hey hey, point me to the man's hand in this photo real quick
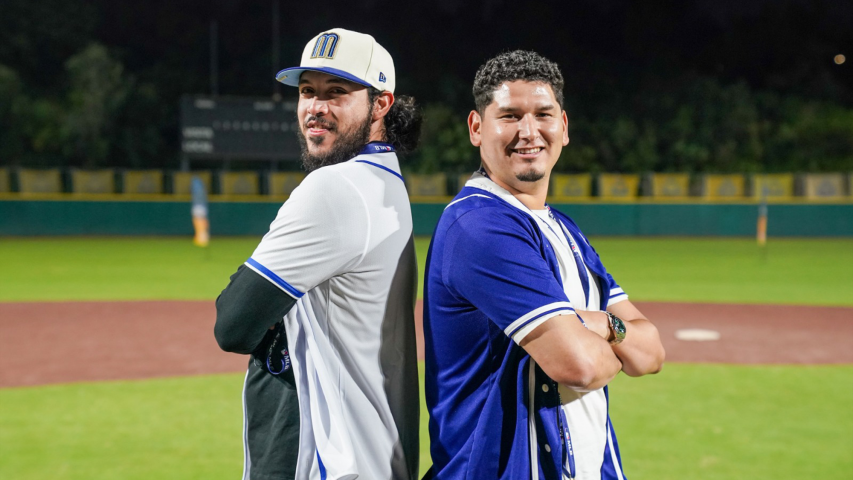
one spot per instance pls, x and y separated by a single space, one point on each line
641 352
596 322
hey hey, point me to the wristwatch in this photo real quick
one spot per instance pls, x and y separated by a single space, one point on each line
618 328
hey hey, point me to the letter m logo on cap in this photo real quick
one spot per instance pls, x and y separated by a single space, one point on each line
326 45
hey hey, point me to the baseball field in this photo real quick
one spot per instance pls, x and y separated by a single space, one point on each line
108 367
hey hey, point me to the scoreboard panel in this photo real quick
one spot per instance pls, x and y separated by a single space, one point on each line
238 127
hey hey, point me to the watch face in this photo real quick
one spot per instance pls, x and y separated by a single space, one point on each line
618 328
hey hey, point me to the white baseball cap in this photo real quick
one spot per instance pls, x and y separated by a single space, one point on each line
343 53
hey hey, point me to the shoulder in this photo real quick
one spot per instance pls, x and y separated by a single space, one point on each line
322 176
329 182
325 193
479 217
473 205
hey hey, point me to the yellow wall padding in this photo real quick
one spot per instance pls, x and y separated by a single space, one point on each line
182 181
723 186
571 185
93 181
670 184
283 183
143 181
824 186
239 183
4 180
618 186
39 181
427 185
773 185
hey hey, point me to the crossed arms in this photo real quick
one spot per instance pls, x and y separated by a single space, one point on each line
581 358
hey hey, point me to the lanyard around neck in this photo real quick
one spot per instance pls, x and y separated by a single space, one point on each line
575 253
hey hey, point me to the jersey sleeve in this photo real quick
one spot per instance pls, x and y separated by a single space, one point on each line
616 293
493 261
320 231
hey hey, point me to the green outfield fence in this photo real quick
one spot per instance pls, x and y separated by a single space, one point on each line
164 215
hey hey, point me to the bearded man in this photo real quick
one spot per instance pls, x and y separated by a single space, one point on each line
325 304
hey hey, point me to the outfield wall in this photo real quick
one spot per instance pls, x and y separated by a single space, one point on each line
172 217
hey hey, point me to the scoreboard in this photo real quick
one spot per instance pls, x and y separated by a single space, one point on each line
238 128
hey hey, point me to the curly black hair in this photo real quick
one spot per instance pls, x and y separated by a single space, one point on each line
511 66
402 123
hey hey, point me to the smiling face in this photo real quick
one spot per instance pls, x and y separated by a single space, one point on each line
520 135
334 119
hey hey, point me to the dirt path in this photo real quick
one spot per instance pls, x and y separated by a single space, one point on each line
44 343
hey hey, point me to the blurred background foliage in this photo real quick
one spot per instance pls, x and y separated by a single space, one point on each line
689 87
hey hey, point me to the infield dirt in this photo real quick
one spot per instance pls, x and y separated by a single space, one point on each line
64 342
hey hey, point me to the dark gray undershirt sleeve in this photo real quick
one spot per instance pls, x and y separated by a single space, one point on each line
246 310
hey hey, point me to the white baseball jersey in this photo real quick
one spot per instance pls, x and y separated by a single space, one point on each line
342 246
586 412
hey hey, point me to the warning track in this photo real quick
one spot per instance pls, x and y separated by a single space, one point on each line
42 343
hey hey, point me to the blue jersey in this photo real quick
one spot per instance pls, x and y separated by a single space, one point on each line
490 272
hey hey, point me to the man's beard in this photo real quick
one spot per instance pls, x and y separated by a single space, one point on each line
347 145
530 176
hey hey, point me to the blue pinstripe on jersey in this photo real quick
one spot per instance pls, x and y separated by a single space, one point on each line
275 278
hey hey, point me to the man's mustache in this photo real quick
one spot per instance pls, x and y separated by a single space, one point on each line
319 122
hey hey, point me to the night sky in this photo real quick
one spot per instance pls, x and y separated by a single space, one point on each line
784 45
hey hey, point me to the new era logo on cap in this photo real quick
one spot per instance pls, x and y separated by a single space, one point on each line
354 56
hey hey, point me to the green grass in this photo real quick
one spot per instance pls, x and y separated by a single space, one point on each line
698 422
736 422
789 271
76 268
178 428
792 271
691 421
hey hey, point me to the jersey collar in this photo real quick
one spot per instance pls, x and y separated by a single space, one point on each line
370 155
482 181
377 147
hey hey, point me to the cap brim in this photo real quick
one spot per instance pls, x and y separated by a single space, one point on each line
290 76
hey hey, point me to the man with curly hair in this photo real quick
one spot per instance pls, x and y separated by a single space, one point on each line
524 326
325 304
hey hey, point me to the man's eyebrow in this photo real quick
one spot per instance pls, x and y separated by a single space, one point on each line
539 108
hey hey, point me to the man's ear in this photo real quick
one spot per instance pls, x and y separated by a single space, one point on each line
382 105
475 123
565 129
